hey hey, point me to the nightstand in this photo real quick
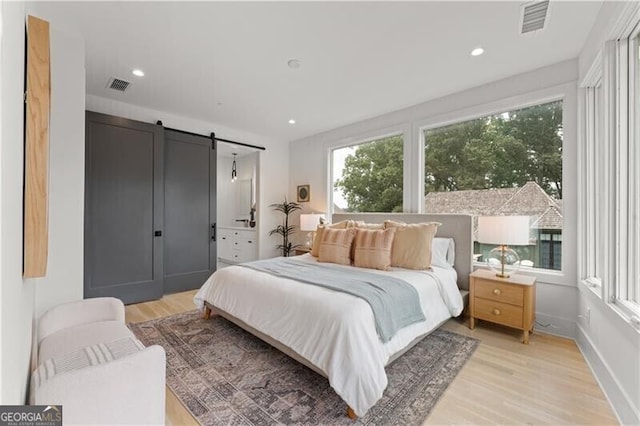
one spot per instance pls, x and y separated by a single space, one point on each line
301 250
507 301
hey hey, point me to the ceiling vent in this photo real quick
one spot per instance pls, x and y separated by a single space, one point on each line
117 84
533 16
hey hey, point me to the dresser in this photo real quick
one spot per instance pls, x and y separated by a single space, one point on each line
236 245
506 301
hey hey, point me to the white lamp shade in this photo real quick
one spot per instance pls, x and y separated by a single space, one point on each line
309 222
504 230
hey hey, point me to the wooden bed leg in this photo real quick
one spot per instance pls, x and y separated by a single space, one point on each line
207 312
351 414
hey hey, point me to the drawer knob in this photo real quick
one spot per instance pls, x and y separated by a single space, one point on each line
496 311
496 291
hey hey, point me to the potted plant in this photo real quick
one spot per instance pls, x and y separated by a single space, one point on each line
285 230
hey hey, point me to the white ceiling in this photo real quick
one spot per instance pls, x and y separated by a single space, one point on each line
227 62
228 149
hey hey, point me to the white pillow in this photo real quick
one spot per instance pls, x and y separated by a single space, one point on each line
443 252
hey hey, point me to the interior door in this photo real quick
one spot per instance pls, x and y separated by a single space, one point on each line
123 208
189 211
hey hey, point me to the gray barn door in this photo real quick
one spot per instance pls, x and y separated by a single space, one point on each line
123 208
189 211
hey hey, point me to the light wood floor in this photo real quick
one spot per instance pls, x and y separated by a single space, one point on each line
504 382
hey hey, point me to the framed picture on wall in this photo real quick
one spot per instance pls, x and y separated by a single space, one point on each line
304 194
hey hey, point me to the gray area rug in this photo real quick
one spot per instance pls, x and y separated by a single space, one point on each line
226 376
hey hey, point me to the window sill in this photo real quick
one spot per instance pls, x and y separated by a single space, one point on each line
596 290
615 312
628 311
542 275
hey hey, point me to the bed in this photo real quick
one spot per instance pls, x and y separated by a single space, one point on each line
332 332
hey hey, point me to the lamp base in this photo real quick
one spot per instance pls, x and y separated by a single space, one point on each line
309 242
504 261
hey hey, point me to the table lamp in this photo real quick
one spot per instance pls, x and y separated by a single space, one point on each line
503 231
309 223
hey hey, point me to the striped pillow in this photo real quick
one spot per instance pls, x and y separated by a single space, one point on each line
317 239
100 353
373 248
361 224
335 246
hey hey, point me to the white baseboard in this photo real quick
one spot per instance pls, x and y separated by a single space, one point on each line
554 325
618 399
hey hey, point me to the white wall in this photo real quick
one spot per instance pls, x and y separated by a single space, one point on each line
1 180
556 303
273 169
224 192
612 349
610 344
21 300
65 269
603 29
273 188
16 295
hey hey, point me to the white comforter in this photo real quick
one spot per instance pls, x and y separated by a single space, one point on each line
334 331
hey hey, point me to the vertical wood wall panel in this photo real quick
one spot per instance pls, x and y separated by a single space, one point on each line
36 171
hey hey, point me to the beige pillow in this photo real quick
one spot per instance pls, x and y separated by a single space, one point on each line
315 248
372 248
359 224
412 244
335 246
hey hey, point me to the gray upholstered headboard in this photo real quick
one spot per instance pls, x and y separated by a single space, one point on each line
456 226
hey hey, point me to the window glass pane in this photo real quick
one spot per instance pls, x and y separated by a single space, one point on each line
368 177
507 164
635 190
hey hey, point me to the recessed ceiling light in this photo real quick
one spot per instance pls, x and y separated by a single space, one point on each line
294 63
292 121
477 51
138 73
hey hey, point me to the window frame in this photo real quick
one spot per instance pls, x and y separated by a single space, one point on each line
627 69
413 184
634 154
568 95
361 139
592 231
608 249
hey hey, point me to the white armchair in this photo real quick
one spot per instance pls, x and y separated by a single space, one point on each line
92 364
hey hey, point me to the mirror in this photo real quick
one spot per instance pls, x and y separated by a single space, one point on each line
243 198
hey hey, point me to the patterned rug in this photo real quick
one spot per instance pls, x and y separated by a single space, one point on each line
226 376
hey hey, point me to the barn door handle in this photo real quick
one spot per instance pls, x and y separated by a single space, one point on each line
213 232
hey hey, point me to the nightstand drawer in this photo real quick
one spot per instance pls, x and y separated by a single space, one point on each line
498 312
505 293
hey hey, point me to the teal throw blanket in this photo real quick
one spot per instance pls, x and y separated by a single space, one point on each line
394 302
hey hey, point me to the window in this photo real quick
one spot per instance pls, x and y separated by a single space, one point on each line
627 291
368 177
503 164
624 279
550 247
610 181
592 184
634 190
